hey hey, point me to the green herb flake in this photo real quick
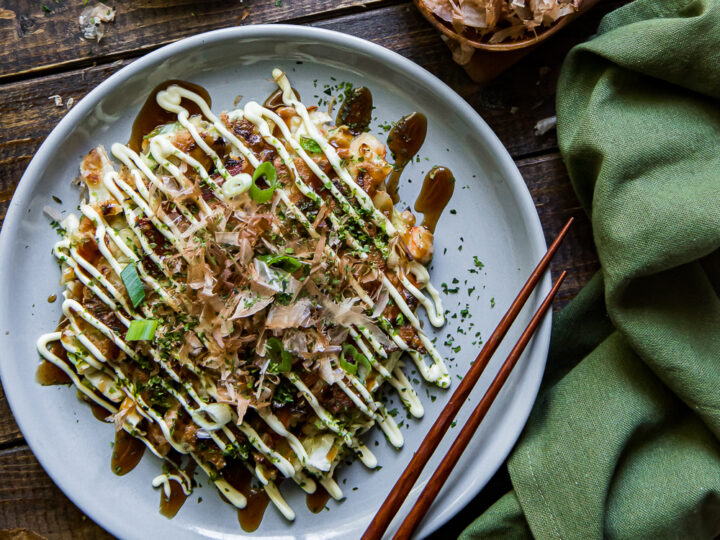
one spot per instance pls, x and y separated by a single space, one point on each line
280 359
284 393
448 290
159 396
310 145
58 228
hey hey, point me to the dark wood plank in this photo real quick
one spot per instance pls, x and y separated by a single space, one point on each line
30 500
28 116
9 431
37 35
555 201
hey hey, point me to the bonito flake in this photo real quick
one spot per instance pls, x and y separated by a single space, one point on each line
92 18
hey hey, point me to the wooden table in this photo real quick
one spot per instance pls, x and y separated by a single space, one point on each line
42 54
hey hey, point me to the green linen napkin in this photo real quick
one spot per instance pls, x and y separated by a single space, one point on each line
624 440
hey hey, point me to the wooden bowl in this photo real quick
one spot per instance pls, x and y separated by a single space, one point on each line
539 36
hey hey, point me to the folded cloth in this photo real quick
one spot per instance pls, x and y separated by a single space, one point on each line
624 439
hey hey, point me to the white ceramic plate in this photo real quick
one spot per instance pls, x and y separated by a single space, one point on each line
493 218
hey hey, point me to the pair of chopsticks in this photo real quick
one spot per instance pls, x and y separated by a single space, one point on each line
407 480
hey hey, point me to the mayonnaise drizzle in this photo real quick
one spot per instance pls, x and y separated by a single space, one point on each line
364 199
164 481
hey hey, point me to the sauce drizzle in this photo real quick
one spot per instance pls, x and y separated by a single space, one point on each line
436 191
169 506
316 501
99 412
48 374
404 141
152 115
240 478
356 110
275 100
127 452
251 516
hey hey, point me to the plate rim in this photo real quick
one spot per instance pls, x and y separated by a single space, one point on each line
516 184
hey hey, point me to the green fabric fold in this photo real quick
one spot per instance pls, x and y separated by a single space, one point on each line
624 439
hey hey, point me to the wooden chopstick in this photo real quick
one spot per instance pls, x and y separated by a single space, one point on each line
402 487
437 480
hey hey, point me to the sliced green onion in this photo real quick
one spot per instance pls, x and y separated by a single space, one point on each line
358 360
280 359
236 185
267 170
286 262
165 128
141 330
310 145
134 286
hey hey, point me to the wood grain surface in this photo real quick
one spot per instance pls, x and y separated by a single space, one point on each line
30 500
40 36
42 54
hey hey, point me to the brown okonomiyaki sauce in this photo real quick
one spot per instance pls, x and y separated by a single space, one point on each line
99 412
404 141
241 479
356 110
169 506
316 501
152 115
127 452
275 101
436 191
251 516
48 374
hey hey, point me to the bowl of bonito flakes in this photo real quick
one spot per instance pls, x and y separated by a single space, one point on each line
497 25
